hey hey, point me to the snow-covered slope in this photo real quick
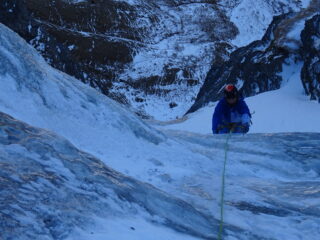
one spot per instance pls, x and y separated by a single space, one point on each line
285 110
272 179
252 17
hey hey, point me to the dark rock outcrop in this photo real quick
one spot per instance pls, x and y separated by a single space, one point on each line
310 73
89 40
254 68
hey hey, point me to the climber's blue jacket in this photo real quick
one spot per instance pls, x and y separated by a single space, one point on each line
225 114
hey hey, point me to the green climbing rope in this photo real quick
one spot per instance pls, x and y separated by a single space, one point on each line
226 149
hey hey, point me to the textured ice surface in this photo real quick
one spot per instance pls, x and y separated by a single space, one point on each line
272 183
48 188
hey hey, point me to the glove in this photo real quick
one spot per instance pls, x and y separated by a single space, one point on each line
245 119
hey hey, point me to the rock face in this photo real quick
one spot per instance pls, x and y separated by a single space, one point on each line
254 68
310 73
86 39
258 67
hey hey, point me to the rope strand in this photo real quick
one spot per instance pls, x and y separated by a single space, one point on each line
226 148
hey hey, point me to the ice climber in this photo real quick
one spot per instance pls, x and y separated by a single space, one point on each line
231 113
